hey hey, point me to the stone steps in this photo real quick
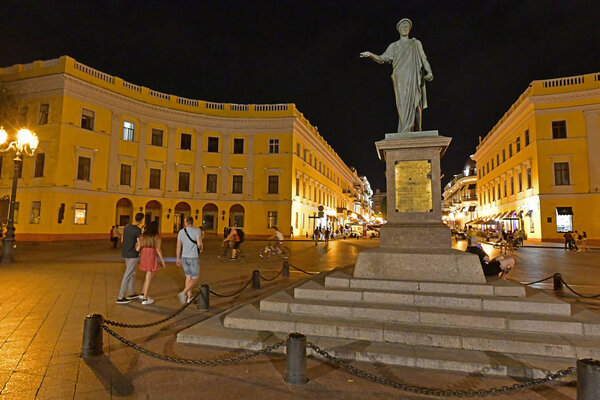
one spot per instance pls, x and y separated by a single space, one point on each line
211 332
534 302
583 322
550 345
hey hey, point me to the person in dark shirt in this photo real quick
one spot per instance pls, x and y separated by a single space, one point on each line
500 265
131 233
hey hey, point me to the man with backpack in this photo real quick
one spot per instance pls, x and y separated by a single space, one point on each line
189 245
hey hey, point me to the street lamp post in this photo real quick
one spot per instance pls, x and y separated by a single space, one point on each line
25 144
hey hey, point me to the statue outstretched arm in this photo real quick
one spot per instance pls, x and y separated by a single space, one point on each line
374 57
428 72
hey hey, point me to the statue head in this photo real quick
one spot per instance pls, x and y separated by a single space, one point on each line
403 26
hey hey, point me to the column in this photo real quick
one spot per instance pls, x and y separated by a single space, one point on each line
592 122
170 169
141 184
113 155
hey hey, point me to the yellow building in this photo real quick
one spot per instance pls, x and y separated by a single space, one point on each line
109 149
460 197
539 168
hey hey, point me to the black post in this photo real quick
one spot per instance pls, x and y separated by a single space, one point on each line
204 298
92 336
256 279
295 359
8 243
286 269
588 379
558 285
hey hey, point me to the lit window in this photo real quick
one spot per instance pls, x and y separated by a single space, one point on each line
271 219
238 146
80 214
128 131
157 137
273 146
154 178
36 207
185 142
87 119
564 219
44 111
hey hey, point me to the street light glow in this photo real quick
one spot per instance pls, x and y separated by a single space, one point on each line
27 138
3 135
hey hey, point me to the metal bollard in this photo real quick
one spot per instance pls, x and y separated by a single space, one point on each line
256 279
204 298
286 269
92 336
558 285
588 379
295 359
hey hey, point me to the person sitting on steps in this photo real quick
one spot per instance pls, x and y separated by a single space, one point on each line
500 265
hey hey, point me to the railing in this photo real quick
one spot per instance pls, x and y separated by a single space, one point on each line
239 107
187 102
28 67
215 106
271 107
131 86
160 95
94 72
572 80
51 63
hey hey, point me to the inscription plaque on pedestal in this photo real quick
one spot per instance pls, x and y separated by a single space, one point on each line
413 186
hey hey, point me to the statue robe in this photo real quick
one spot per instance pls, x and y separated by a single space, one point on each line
406 57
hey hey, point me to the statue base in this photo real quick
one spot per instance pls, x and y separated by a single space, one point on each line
415 245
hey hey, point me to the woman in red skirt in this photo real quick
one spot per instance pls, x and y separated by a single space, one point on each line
149 247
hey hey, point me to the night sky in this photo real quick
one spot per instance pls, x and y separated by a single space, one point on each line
483 55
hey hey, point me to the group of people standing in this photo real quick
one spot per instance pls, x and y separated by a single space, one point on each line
144 246
576 241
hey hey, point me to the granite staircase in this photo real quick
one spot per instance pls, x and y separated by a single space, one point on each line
498 328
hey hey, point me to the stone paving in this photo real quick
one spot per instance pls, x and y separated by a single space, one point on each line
46 295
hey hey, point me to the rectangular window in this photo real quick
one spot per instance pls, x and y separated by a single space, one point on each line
499 192
128 131
87 119
274 146
305 154
271 219
238 146
80 214
504 184
512 185
310 158
298 149
211 183
273 184
487 167
154 178
185 142
237 185
297 187
40 159
518 144
157 137
84 165
493 194
559 129
561 174
510 150
125 175
564 219
503 155
213 144
44 112
36 207
497 159
529 181
527 138
184 182
492 164
23 111
520 181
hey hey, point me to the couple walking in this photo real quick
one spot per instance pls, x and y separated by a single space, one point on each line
146 248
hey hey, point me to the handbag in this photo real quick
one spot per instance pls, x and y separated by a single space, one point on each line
192 240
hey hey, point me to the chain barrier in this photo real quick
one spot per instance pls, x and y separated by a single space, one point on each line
301 270
187 361
541 280
264 278
595 296
160 321
234 293
439 392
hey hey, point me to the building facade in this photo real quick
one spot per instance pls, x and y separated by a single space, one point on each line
538 168
460 197
109 149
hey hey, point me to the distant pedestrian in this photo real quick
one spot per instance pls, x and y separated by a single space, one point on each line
189 246
114 236
149 247
291 232
131 233
327 233
316 234
584 240
568 241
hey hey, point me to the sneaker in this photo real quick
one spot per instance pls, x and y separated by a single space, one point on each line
232 258
190 300
182 297
147 301
505 272
123 300
134 296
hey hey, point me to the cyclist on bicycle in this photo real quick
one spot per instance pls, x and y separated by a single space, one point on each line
235 239
278 237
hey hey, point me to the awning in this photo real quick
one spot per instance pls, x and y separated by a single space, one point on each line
528 214
472 208
564 210
509 215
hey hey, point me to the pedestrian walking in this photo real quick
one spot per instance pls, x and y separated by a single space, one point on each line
316 234
584 240
291 232
327 233
149 247
114 236
131 233
189 247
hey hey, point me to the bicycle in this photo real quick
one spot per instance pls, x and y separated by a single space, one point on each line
228 251
269 250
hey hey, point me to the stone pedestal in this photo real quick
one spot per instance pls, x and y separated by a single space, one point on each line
415 244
